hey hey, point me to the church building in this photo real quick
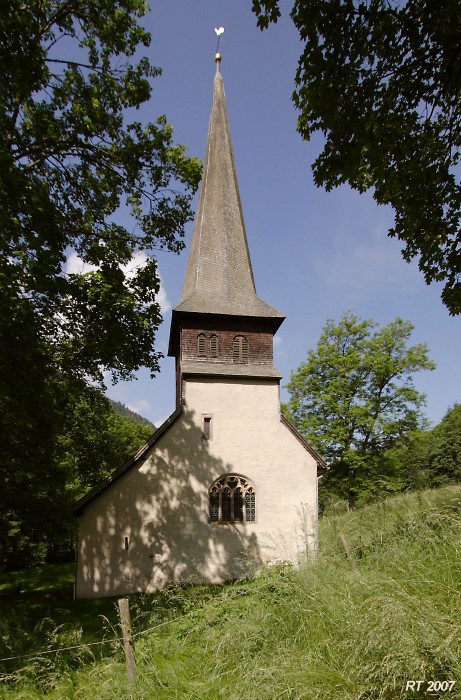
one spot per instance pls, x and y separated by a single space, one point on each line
226 484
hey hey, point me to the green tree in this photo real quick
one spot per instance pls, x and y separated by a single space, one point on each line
69 160
444 450
30 417
88 442
94 441
381 80
432 458
71 156
410 455
354 396
121 410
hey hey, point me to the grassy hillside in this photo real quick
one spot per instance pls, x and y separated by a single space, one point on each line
380 606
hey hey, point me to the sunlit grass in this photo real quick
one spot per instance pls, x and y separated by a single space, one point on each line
380 605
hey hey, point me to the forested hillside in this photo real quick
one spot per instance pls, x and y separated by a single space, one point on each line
89 440
121 410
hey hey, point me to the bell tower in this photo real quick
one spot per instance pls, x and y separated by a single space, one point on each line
221 328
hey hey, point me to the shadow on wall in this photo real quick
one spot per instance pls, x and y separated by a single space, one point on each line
151 526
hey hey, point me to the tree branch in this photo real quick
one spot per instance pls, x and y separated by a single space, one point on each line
13 121
67 7
77 64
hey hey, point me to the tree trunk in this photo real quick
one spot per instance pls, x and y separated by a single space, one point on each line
351 492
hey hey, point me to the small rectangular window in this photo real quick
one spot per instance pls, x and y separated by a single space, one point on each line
207 427
126 544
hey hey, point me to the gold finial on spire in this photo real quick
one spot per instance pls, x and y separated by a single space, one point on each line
218 32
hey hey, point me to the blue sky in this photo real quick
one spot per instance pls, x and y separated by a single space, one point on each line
315 255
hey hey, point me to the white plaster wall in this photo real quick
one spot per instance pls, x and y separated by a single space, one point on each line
161 503
249 438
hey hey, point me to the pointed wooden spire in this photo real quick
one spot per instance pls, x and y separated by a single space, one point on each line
219 277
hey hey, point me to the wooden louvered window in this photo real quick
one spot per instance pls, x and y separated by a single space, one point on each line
240 349
214 345
201 345
232 500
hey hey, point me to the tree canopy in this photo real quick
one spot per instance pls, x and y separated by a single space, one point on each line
80 179
381 79
354 396
431 458
70 158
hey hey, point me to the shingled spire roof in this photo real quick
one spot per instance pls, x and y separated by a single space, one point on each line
219 277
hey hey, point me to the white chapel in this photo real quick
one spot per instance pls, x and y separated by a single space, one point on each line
226 484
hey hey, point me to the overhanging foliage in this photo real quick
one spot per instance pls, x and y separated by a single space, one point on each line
381 80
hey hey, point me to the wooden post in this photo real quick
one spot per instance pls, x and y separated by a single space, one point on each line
128 643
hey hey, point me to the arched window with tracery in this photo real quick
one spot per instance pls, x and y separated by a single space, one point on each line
232 499
240 349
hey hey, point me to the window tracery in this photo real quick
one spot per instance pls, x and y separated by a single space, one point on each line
232 499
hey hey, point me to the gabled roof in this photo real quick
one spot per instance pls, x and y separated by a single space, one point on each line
320 461
219 276
80 505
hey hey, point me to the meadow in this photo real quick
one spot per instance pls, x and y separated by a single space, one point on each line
376 610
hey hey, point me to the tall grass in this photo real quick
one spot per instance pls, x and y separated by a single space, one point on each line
379 606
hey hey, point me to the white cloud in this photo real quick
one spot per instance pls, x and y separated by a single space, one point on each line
141 407
138 260
162 298
76 266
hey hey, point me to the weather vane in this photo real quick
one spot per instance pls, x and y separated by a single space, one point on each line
218 32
